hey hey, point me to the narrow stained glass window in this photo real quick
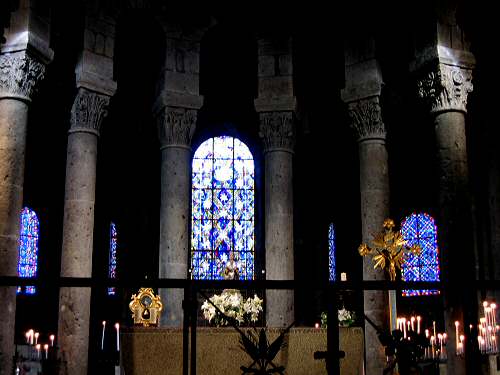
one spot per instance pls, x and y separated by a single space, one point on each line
27 263
331 253
222 208
420 229
113 242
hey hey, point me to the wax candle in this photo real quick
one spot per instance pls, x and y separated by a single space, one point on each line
434 328
37 334
412 323
52 337
38 346
418 324
456 333
117 326
46 348
426 333
31 332
27 334
440 337
316 326
404 327
102 336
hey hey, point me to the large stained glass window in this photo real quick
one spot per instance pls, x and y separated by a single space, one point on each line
27 262
420 229
113 242
222 208
331 253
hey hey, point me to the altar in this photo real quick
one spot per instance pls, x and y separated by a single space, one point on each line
153 351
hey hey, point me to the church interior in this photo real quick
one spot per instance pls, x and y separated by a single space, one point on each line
183 148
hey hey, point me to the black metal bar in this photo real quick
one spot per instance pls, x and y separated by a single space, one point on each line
194 320
185 330
332 334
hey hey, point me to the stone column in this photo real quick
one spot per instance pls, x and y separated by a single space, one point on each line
445 88
19 74
87 114
176 127
367 121
277 132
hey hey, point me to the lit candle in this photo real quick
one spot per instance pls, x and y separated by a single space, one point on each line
434 328
52 337
404 327
433 338
440 337
46 347
37 334
444 338
27 334
31 332
426 333
38 346
316 326
117 326
412 323
456 333
418 324
102 336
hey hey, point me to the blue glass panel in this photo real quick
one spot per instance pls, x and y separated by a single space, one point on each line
27 264
241 151
223 174
205 150
421 229
113 243
244 174
202 173
224 148
331 253
222 207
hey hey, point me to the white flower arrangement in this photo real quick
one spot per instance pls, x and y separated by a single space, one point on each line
346 318
231 303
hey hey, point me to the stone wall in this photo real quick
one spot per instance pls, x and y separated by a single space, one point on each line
148 351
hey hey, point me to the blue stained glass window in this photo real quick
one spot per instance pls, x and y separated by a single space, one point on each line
222 208
27 263
420 229
113 242
331 253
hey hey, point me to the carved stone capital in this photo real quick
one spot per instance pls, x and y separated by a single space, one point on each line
277 130
19 75
366 118
176 126
445 88
88 111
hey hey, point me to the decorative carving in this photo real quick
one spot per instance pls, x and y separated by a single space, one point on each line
19 75
366 118
176 126
88 111
277 130
445 88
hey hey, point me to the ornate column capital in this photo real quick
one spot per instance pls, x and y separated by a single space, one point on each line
445 88
366 118
20 73
277 130
88 111
176 126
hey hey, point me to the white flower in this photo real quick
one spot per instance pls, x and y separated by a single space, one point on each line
231 304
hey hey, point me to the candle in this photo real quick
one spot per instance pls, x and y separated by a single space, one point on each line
433 338
52 337
434 328
46 348
36 337
117 326
316 326
440 337
412 323
102 336
404 327
38 346
426 333
31 332
27 334
418 324
456 333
